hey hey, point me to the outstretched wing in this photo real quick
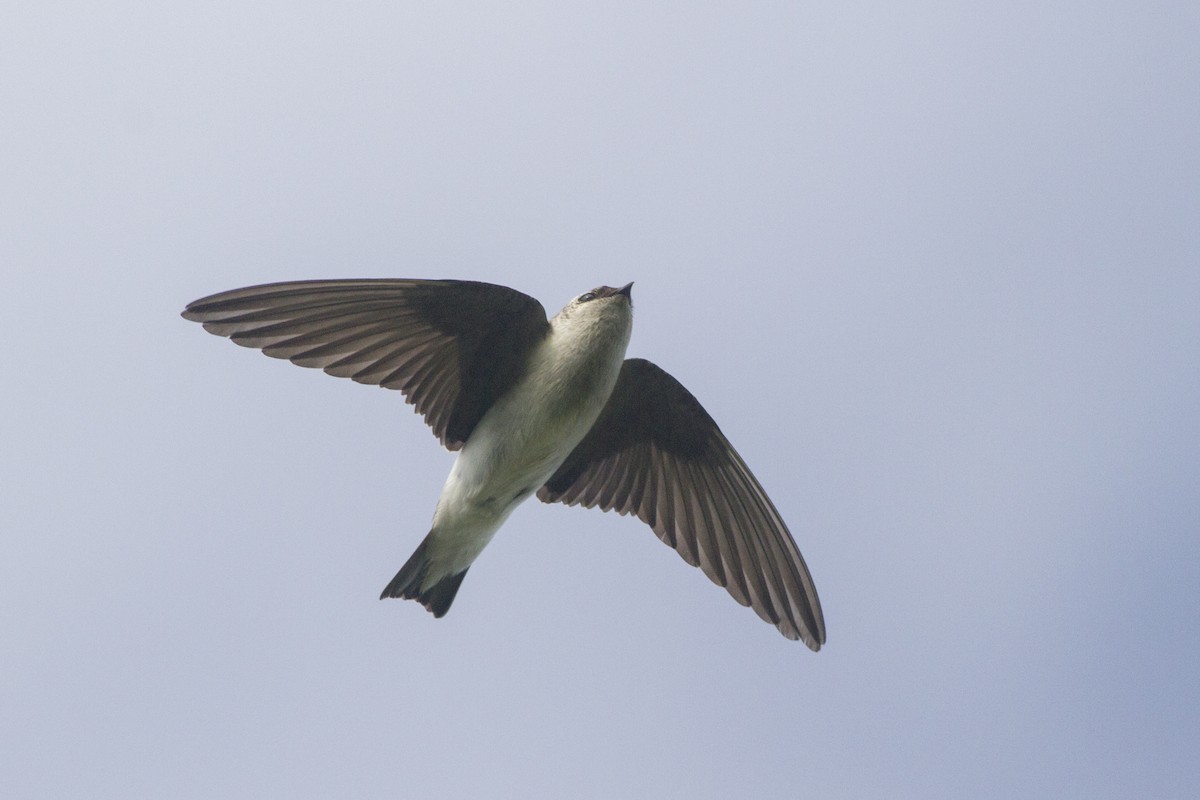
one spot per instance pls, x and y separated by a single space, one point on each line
451 347
656 453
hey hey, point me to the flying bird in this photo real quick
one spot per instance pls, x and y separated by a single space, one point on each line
541 406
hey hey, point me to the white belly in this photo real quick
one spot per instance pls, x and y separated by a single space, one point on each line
513 450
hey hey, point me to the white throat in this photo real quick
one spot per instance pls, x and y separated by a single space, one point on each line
531 430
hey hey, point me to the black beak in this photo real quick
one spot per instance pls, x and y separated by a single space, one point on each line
627 290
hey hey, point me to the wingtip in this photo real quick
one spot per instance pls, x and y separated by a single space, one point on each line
795 634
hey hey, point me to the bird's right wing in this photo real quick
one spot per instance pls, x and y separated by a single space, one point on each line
656 453
452 347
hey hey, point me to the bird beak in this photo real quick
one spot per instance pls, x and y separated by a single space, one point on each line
627 290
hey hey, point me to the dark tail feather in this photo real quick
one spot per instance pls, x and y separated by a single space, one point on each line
407 583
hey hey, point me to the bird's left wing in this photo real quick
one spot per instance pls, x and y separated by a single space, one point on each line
452 347
656 453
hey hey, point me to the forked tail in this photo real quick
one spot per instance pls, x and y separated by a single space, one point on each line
407 583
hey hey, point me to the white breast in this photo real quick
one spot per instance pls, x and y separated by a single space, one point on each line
527 435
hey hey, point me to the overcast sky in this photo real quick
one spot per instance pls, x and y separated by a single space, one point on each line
934 268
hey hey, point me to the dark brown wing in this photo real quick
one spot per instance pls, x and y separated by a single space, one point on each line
656 453
452 347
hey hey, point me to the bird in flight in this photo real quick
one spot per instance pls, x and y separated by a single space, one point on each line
541 406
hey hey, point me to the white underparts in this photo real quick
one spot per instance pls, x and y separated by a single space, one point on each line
529 432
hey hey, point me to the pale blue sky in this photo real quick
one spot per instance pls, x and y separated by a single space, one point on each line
934 267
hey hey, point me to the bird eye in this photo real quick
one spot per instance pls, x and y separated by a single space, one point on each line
586 296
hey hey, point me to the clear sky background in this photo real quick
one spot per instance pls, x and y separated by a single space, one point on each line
934 267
